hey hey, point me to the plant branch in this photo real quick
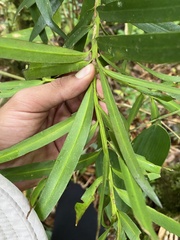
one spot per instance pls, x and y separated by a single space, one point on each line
11 75
95 30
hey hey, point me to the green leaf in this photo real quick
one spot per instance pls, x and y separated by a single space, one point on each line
40 23
35 194
87 6
40 70
135 109
160 219
162 76
104 168
154 111
166 222
158 27
35 14
9 85
151 170
28 171
171 106
120 233
123 195
43 169
129 226
24 4
32 52
24 34
8 89
137 201
87 198
153 143
149 92
122 138
140 11
92 133
106 1
140 89
39 26
104 235
75 36
55 4
82 26
85 19
38 140
47 13
148 166
87 159
139 83
68 157
151 48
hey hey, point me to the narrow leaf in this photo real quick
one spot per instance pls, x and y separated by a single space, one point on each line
40 23
166 222
135 109
38 140
82 27
140 11
46 11
43 169
137 202
124 142
40 70
39 26
158 27
129 226
24 34
160 219
171 106
75 36
33 52
87 198
154 111
148 166
35 14
150 48
28 172
35 194
24 4
8 89
68 158
104 235
139 83
104 169
162 76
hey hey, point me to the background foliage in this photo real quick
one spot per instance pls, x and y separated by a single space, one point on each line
114 35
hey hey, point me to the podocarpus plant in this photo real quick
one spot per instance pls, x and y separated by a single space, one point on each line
125 167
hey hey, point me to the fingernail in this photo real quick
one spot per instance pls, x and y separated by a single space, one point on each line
83 72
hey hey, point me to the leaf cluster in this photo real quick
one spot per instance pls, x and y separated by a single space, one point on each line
125 167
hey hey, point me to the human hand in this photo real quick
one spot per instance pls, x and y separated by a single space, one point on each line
34 109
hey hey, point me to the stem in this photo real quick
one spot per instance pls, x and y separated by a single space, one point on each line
95 31
11 75
112 198
105 158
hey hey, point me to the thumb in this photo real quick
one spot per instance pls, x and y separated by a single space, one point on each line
47 96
